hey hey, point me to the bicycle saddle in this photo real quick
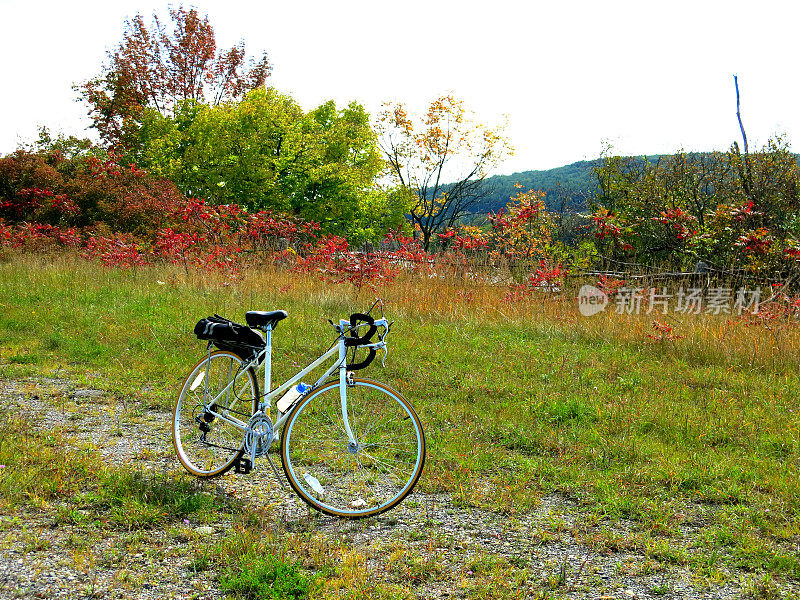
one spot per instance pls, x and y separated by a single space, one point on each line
260 318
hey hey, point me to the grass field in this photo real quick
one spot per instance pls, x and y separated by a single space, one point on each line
519 399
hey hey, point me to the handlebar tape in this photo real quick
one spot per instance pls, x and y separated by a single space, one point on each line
364 363
364 339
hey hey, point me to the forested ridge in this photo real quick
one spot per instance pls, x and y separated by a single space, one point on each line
575 183
570 186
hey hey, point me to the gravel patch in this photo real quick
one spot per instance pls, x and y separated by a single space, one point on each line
560 544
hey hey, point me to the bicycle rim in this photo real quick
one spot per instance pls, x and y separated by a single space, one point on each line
207 445
360 480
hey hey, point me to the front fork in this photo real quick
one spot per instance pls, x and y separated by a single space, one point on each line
345 381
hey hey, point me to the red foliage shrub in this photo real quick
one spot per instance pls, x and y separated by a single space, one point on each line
116 250
192 249
177 248
664 332
456 241
605 226
42 206
609 285
127 200
756 242
332 260
23 169
38 237
130 217
546 278
45 187
681 224
740 213
213 222
265 229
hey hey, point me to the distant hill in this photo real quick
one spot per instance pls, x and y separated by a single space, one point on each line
570 186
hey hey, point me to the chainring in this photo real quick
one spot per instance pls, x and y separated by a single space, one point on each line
259 435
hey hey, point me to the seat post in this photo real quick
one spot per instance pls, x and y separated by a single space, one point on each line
268 362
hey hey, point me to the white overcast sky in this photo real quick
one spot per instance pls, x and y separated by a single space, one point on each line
648 77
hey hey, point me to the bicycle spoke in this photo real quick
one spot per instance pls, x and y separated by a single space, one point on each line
209 420
388 466
359 480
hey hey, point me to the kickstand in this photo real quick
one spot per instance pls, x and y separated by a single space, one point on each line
275 470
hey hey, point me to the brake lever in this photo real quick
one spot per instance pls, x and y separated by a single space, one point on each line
385 345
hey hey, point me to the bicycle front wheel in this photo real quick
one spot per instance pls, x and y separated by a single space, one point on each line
213 408
353 479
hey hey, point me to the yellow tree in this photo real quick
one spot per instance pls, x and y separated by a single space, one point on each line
442 157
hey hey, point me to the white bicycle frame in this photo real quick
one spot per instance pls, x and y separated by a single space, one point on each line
265 405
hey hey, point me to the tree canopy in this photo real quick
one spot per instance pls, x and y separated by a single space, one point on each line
442 158
170 102
158 69
265 152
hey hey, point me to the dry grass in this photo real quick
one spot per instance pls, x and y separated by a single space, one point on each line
518 398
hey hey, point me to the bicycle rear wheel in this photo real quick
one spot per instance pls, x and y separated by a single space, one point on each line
353 480
205 439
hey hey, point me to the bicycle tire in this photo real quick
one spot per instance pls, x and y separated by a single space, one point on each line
212 452
361 481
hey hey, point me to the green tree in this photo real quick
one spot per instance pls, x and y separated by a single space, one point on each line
169 102
266 153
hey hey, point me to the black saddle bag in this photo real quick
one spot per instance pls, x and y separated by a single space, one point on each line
228 335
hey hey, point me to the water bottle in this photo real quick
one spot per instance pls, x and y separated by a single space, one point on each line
314 483
291 396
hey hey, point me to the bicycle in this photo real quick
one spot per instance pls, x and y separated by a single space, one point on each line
350 447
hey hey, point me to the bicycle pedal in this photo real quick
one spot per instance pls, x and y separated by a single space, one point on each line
242 466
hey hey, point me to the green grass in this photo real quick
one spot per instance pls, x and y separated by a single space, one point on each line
265 577
517 401
38 466
51 471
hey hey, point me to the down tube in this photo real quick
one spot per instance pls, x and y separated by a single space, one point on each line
343 396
